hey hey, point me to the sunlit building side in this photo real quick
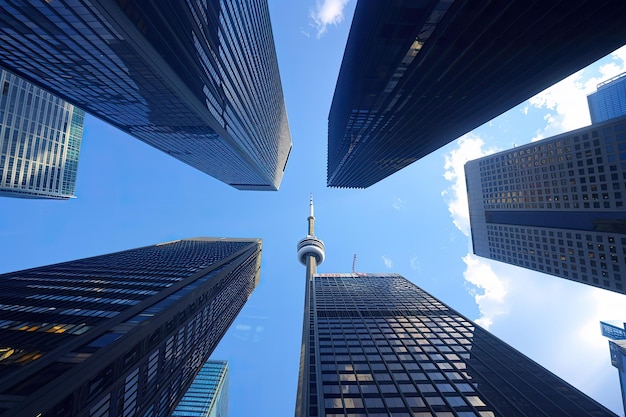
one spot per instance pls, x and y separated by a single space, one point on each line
609 101
556 205
208 394
40 138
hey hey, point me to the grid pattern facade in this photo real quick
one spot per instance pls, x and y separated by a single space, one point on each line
418 74
613 330
208 394
609 101
556 205
380 346
40 137
198 80
122 334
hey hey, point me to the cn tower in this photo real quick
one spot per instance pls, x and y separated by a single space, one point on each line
311 253
310 249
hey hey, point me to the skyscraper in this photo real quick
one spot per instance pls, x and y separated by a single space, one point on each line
198 80
40 137
617 347
609 101
122 334
418 74
377 345
208 394
556 205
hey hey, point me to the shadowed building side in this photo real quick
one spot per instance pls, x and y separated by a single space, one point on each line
418 74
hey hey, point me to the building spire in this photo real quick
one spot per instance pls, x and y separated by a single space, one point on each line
311 218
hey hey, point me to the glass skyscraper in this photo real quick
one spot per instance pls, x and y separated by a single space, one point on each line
617 347
122 334
417 74
377 345
198 80
555 205
609 101
40 137
208 394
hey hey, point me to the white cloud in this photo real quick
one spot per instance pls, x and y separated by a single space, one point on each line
470 147
388 262
398 204
326 12
525 110
566 100
491 300
486 287
415 264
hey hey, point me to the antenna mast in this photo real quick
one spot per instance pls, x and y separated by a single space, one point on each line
354 264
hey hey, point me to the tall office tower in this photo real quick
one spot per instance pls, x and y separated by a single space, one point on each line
208 394
417 74
617 346
40 137
555 206
377 345
198 80
122 334
609 101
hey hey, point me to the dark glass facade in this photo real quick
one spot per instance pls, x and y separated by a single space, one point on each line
609 101
417 74
556 205
198 80
122 334
378 345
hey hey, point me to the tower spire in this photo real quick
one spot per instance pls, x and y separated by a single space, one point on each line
311 218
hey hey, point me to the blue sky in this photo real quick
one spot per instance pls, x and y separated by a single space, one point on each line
414 223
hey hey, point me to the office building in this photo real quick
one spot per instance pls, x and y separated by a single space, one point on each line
208 394
416 74
609 101
197 80
40 137
377 345
613 330
617 347
556 205
122 334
